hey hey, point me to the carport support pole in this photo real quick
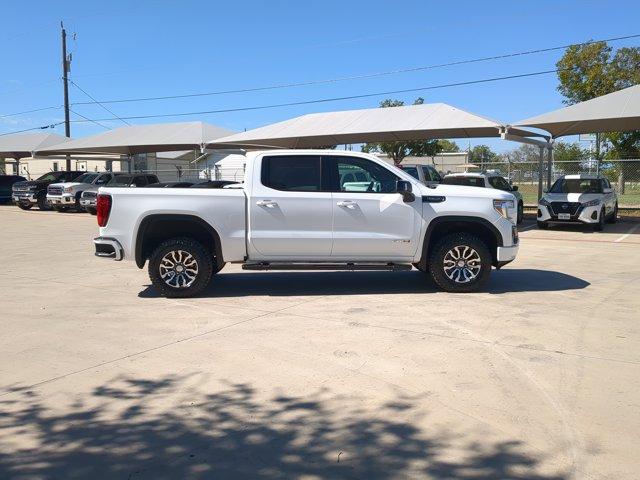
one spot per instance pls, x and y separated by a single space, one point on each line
540 172
549 165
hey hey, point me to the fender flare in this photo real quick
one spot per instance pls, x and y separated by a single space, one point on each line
150 219
455 219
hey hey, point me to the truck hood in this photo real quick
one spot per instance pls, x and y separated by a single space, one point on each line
468 192
30 183
70 184
571 197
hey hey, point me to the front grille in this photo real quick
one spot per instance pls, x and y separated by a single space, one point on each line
54 190
88 194
21 189
564 207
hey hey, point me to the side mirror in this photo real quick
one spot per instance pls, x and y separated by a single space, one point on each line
607 190
405 189
514 188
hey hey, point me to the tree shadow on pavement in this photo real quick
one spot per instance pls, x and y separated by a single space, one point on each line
156 429
243 284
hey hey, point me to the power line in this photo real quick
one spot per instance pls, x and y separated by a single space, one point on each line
360 77
318 82
96 101
44 127
334 99
30 111
89 119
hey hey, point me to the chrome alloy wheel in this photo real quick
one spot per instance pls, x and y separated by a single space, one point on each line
178 269
462 264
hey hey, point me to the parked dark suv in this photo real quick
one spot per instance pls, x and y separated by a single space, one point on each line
6 182
34 192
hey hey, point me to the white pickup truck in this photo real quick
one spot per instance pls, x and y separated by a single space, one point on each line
303 210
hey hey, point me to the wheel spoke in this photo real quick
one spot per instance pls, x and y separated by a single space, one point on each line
178 269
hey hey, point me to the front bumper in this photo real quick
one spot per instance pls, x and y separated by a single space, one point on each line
506 254
88 202
589 215
24 197
108 248
61 199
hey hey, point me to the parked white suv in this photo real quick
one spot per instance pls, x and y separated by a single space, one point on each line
488 180
309 210
588 199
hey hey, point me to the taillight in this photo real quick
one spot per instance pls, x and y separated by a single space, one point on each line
103 209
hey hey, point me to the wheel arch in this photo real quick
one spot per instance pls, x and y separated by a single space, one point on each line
441 226
156 228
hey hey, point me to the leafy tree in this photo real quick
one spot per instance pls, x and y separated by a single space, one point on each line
448 146
482 154
592 70
569 157
399 150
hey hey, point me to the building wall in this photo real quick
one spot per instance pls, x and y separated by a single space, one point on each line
32 168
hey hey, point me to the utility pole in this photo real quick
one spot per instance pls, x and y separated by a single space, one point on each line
65 81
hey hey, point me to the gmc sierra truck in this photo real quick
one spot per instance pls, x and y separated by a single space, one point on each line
310 210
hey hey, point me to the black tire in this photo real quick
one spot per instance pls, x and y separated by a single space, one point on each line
77 207
598 227
25 206
92 211
543 225
162 263
614 215
520 213
61 209
456 280
42 203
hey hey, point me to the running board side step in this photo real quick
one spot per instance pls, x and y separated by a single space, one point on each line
393 267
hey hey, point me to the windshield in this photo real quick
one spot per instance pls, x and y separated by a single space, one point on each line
49 177
413 171
86 178
123 180
576 185
466 181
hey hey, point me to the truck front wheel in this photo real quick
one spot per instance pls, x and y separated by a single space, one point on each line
460 262
180 267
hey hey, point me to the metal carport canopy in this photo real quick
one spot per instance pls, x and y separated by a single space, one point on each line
414 122
22 145
134 139
616 112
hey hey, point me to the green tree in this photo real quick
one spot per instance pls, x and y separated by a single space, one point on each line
592 70
569 157
448 146
399 150
481 154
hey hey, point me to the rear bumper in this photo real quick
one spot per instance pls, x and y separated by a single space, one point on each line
108 248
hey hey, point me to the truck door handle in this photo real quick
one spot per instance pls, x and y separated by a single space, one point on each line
347 204
267 203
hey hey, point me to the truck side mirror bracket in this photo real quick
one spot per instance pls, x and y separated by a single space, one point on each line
405 189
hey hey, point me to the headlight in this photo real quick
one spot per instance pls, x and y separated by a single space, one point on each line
543 202
591 203
503 206
68 189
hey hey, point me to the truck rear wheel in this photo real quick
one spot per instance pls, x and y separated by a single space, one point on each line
460 262
180 267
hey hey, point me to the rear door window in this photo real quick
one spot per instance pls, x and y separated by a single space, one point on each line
292 173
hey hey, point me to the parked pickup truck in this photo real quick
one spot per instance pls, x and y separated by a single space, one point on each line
89 196
65 195
303 210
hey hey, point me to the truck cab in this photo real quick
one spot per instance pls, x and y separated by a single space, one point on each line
310 209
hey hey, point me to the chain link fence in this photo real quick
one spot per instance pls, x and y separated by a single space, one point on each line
624 175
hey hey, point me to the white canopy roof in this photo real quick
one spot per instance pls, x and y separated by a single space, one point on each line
616 112
20 145
414 122
134 139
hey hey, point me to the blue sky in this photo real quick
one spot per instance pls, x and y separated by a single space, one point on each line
145 48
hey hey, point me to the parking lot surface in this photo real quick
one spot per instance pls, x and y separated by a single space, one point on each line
318 374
